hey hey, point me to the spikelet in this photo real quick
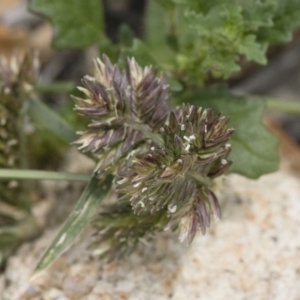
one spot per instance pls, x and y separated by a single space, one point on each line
165 161
178 175
119 230
118 103
16 81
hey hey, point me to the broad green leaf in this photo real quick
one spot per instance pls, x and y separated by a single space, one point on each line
46 117
254 148
77 221
77 23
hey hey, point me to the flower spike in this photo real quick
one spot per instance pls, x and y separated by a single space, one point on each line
118 102
178 175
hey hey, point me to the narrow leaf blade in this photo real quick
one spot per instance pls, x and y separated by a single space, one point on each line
46 117
77 221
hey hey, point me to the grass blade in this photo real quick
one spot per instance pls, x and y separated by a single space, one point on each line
42 175
80 217
46 117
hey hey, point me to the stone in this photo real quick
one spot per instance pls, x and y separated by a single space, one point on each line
252 253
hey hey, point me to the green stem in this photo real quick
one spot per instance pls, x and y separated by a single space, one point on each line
148 134
65 87
42 175
203 180
283 106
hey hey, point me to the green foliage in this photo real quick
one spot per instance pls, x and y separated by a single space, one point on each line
211 36
77 23
254 148
192 42
283 19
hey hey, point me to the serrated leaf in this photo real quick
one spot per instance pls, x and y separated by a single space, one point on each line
77 221
285 19
211 35
254 148
77 23
252 50
223 35
258 13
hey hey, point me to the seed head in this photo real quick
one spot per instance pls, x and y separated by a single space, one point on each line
119 230
121 106
178 173
17 77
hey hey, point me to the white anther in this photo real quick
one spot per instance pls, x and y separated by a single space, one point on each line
121 181
187 148
3 121
223 161
172 208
